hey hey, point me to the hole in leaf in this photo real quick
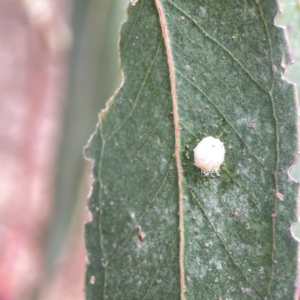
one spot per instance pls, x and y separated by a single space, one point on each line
294 170
295 230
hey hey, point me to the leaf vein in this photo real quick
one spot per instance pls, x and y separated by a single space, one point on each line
140 218
220 45
138 95
133 26
219 111
223 244
277 150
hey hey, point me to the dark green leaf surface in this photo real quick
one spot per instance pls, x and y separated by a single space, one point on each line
217 66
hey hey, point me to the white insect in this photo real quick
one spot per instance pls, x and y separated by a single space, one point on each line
209 155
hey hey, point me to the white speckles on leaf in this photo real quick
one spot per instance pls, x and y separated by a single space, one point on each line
202 11
92 280
218 265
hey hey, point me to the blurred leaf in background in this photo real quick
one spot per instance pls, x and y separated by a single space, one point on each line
290 18
93 76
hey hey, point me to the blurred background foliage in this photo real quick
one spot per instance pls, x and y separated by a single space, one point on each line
59 61
290 18
59 65
93 75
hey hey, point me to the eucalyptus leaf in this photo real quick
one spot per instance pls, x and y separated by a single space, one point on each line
161 228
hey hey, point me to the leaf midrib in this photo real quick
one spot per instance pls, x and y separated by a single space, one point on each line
177 138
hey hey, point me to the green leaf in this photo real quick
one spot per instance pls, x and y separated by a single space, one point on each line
160 228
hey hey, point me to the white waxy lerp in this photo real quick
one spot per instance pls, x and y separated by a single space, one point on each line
209 155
